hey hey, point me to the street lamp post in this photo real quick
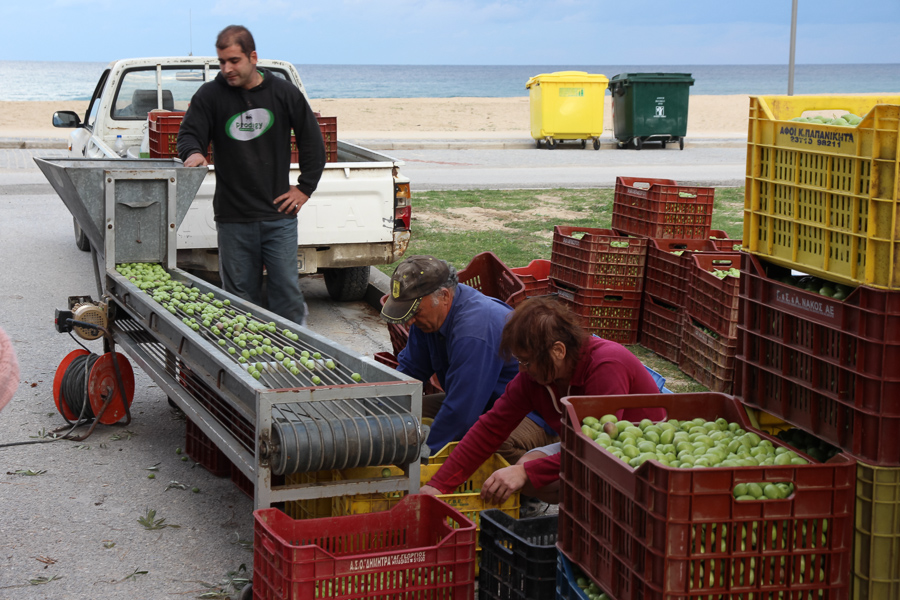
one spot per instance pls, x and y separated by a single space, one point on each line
793 46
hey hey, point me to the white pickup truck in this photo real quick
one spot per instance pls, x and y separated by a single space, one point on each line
359 215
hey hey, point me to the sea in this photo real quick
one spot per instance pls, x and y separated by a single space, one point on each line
30 80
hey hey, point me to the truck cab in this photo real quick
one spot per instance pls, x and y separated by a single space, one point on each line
359 216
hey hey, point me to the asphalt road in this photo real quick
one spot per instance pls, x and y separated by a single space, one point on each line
707 163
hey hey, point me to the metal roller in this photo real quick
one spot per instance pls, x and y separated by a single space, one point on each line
342 434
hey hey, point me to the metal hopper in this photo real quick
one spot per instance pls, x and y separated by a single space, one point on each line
130 210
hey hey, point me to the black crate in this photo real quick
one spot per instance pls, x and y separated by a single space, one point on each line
518 557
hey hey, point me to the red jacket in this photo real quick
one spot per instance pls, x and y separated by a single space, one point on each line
605 368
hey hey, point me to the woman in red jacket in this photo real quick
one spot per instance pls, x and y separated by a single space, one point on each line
557 358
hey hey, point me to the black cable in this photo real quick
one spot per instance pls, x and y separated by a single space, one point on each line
74 387
77 341
56 439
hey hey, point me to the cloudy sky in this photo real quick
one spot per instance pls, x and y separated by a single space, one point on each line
462 32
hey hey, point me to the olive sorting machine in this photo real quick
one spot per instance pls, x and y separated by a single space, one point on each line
271 428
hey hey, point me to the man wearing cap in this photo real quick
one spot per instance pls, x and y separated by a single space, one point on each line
455 333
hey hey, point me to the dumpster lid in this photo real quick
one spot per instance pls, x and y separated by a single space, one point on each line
628 78
567 77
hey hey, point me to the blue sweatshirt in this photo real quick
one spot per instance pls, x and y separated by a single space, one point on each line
464 353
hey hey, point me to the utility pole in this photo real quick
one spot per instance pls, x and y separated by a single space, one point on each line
793 48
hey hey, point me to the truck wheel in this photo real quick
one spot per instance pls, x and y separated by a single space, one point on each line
81 240
348 284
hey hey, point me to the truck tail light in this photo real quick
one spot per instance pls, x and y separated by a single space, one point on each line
402 206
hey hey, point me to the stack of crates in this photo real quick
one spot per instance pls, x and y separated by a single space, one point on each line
689 316
671 533
666 289
518 557
164 126
709 326
421 545
466 498
821 351
601 276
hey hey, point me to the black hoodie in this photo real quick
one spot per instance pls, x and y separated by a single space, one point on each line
250 131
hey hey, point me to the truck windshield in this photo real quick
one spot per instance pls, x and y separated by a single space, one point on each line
137 93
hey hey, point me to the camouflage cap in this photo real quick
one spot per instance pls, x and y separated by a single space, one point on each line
414 278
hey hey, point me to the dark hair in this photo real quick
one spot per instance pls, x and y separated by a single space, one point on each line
537 324
236 34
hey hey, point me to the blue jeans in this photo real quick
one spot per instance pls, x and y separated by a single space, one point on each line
244 248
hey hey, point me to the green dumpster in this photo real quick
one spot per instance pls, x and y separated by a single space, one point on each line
650 107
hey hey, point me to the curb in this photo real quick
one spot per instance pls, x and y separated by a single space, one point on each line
455 144
32 144
379 284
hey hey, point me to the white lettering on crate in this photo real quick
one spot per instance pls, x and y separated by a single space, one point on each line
378 562
813 306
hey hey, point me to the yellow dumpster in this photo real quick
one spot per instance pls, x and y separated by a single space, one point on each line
566 105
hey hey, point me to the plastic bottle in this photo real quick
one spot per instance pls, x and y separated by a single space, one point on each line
119 146
145 143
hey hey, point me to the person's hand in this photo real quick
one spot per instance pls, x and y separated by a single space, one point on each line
196 160
291 201
427 489
503 483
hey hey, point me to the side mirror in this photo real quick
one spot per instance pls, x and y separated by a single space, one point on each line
66 118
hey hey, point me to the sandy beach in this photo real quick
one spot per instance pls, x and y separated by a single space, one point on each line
415 118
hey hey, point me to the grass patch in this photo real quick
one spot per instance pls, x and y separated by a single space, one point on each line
517 225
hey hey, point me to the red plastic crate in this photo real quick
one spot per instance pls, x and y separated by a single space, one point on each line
658 533
660 208
203 451
722 242
827 366
328 126
707 359
611 314
432 386
535 277
713 301
420 548
660 329
668 275
487 274
399 333
164 126
592 262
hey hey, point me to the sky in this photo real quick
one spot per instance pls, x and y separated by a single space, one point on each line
461 32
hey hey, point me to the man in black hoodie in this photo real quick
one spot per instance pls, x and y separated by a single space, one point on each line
248 114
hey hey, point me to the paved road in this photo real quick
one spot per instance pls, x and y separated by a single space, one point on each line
702 163
713 163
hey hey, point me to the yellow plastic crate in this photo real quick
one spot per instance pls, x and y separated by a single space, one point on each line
360 504
566 105
466 499
823 199
876 544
